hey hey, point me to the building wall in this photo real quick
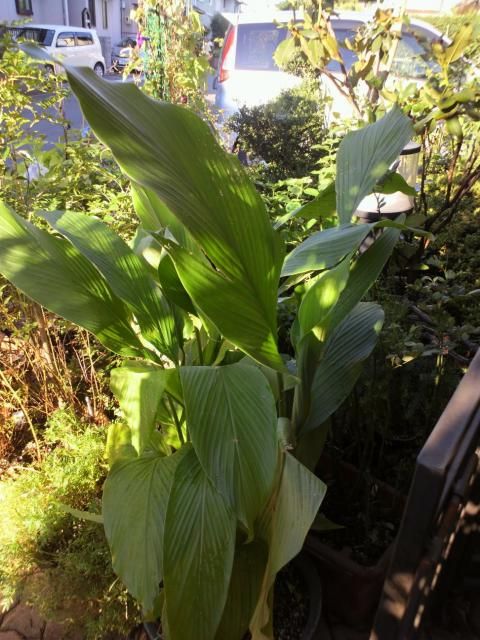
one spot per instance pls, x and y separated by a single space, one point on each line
43 11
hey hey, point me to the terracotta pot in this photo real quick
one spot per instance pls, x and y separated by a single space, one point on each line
351 591
308 571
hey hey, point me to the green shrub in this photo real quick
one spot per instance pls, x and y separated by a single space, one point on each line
286 133
59 563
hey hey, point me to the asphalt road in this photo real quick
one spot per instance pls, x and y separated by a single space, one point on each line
54 133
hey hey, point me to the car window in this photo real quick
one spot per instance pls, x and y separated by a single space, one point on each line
66 40
413 57
126 42
256 44
84 39
41 36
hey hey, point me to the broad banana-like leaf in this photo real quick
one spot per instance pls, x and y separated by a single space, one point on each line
170 150
139 388
54 273
342 361
311 329
284 525
249 565
364 273
322 250
156 216
199 545
233 408
129 275
310 348
135 498
230 308
119 443
320 299
364 156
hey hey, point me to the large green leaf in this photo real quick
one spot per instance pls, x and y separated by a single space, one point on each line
229 307
342 361
364 156
198 553
284 525
129 275
54 273
135 498
139 388
249 566
232 421
322 250
156 216
170 150
364 273
311 329
119 443
320 298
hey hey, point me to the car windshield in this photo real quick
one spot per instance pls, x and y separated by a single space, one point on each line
40 36
412 58
256 44
126 42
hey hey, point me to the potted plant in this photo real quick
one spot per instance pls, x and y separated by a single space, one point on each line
208 496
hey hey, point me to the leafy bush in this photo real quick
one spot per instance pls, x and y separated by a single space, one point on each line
45 363
451 25
431 333
286 133
55 561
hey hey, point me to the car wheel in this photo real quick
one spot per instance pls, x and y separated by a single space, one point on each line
99 69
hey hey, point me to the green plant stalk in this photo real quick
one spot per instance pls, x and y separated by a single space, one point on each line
178 426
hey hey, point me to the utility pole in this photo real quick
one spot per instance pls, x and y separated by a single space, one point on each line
66 17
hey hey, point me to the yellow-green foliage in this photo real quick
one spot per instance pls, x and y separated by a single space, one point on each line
59 563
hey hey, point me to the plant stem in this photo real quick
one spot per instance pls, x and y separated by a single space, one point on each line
199 346
282 405
175 419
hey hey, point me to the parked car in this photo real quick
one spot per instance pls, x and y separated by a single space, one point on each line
248 76
76 45
122 54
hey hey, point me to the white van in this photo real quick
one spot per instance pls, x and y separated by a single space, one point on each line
76 45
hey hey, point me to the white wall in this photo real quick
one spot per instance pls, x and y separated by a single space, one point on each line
43 11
